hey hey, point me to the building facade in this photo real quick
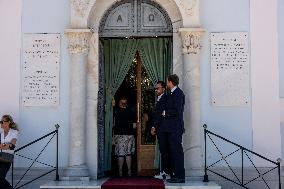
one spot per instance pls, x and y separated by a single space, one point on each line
256 125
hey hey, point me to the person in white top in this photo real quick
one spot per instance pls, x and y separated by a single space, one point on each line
9 134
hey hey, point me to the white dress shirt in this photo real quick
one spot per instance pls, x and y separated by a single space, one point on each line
173 89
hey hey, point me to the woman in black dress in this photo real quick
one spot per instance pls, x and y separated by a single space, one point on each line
124 135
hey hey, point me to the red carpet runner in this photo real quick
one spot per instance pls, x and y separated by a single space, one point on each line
133 183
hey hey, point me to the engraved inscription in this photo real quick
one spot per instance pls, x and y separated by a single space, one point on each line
230 69
135 18
119 18
151 18
40 70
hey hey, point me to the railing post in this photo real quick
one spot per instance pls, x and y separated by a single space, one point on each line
279 176
57 175
13 174
242 166
205 179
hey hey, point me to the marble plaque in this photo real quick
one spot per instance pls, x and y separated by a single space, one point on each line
230 69
40 69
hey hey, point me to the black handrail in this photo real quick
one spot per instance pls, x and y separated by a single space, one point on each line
55 168
244 151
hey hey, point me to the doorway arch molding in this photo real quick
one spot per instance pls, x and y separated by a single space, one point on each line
128 18
84 64
82 11
97 14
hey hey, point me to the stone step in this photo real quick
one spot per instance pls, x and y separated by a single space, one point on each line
97 185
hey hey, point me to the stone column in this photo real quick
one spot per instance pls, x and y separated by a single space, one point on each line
78 49
193 137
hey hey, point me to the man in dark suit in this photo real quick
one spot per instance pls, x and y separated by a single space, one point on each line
172 128
158 118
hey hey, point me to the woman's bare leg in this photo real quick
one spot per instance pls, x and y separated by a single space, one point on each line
120 164
128 162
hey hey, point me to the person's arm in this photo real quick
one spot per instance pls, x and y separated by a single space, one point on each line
132 117
154 123
158 114
177 109
155 120
153 131
9 146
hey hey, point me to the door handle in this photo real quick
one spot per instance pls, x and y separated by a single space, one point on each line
138 112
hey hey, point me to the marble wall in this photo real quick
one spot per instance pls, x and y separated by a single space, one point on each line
10 37
220 15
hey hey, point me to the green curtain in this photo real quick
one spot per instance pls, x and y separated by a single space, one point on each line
156 55
118 56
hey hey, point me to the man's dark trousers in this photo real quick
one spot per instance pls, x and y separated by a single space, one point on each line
162 140
165 152
172 157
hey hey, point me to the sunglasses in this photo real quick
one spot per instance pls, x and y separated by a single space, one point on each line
156 88
1 122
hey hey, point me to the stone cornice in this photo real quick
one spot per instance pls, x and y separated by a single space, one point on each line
78 40
191 40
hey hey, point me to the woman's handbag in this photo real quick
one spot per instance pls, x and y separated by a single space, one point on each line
6 157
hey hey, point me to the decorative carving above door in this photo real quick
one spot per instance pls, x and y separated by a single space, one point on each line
129 18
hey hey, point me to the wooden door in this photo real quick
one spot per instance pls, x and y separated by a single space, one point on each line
145 141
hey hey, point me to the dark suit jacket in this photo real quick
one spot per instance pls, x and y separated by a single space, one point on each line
173 120
159 108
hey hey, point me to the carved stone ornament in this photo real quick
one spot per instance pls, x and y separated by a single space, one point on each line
188 6
78 40
191 40
80 7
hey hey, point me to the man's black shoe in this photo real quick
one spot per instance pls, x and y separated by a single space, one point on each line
176 180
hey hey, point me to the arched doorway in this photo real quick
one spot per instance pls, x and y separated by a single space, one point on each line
146 31
85 94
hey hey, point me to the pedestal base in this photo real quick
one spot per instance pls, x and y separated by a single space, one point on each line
97 185
76 173
195 173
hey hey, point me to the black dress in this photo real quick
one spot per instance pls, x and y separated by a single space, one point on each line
123 121
123 132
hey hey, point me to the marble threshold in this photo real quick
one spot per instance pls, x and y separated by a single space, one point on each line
96 184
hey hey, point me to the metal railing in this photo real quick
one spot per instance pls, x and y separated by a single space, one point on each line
35 160
244 154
